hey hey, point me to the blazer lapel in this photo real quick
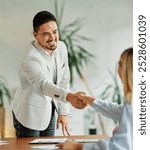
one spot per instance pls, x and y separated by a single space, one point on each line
57 61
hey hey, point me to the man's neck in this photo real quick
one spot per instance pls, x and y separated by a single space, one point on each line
47 51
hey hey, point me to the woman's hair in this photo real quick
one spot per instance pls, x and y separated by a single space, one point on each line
126 64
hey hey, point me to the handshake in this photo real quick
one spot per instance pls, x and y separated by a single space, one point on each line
79 100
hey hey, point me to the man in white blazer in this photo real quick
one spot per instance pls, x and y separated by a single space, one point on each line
44 81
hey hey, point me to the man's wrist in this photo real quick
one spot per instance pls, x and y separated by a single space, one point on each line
69 96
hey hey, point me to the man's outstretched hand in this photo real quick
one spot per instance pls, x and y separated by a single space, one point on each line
75 100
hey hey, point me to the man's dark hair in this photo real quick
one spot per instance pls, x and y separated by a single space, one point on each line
41 18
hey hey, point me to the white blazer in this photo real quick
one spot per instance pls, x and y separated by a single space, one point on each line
32 101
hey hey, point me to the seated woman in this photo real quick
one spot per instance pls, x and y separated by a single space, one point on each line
122 137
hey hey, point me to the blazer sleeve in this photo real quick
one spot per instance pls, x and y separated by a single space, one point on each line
34 71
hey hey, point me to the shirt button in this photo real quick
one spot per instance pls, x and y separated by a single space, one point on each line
56 95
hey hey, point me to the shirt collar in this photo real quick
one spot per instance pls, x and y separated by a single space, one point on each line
36 44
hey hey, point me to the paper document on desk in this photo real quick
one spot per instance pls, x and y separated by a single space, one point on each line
86 140
48 141
46 147
3 142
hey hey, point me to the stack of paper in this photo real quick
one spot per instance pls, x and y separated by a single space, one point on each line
3 142
86 140
48 141
46 147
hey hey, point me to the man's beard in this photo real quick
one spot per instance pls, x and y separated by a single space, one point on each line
52 47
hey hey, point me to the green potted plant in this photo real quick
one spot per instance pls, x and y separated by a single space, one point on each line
4 93
69 34
77 54
112 90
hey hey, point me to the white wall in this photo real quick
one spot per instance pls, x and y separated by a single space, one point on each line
107 22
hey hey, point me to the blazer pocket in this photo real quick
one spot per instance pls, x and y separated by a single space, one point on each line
35 100
34 105
31 114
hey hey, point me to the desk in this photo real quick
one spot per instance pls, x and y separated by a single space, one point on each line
23 143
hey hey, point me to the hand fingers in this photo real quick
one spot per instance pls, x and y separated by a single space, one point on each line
80 92
63 129
60 145
67 130
58 122
63 145
80 97
85 104
80 106
81 102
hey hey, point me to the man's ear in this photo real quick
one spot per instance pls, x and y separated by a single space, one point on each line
35 34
